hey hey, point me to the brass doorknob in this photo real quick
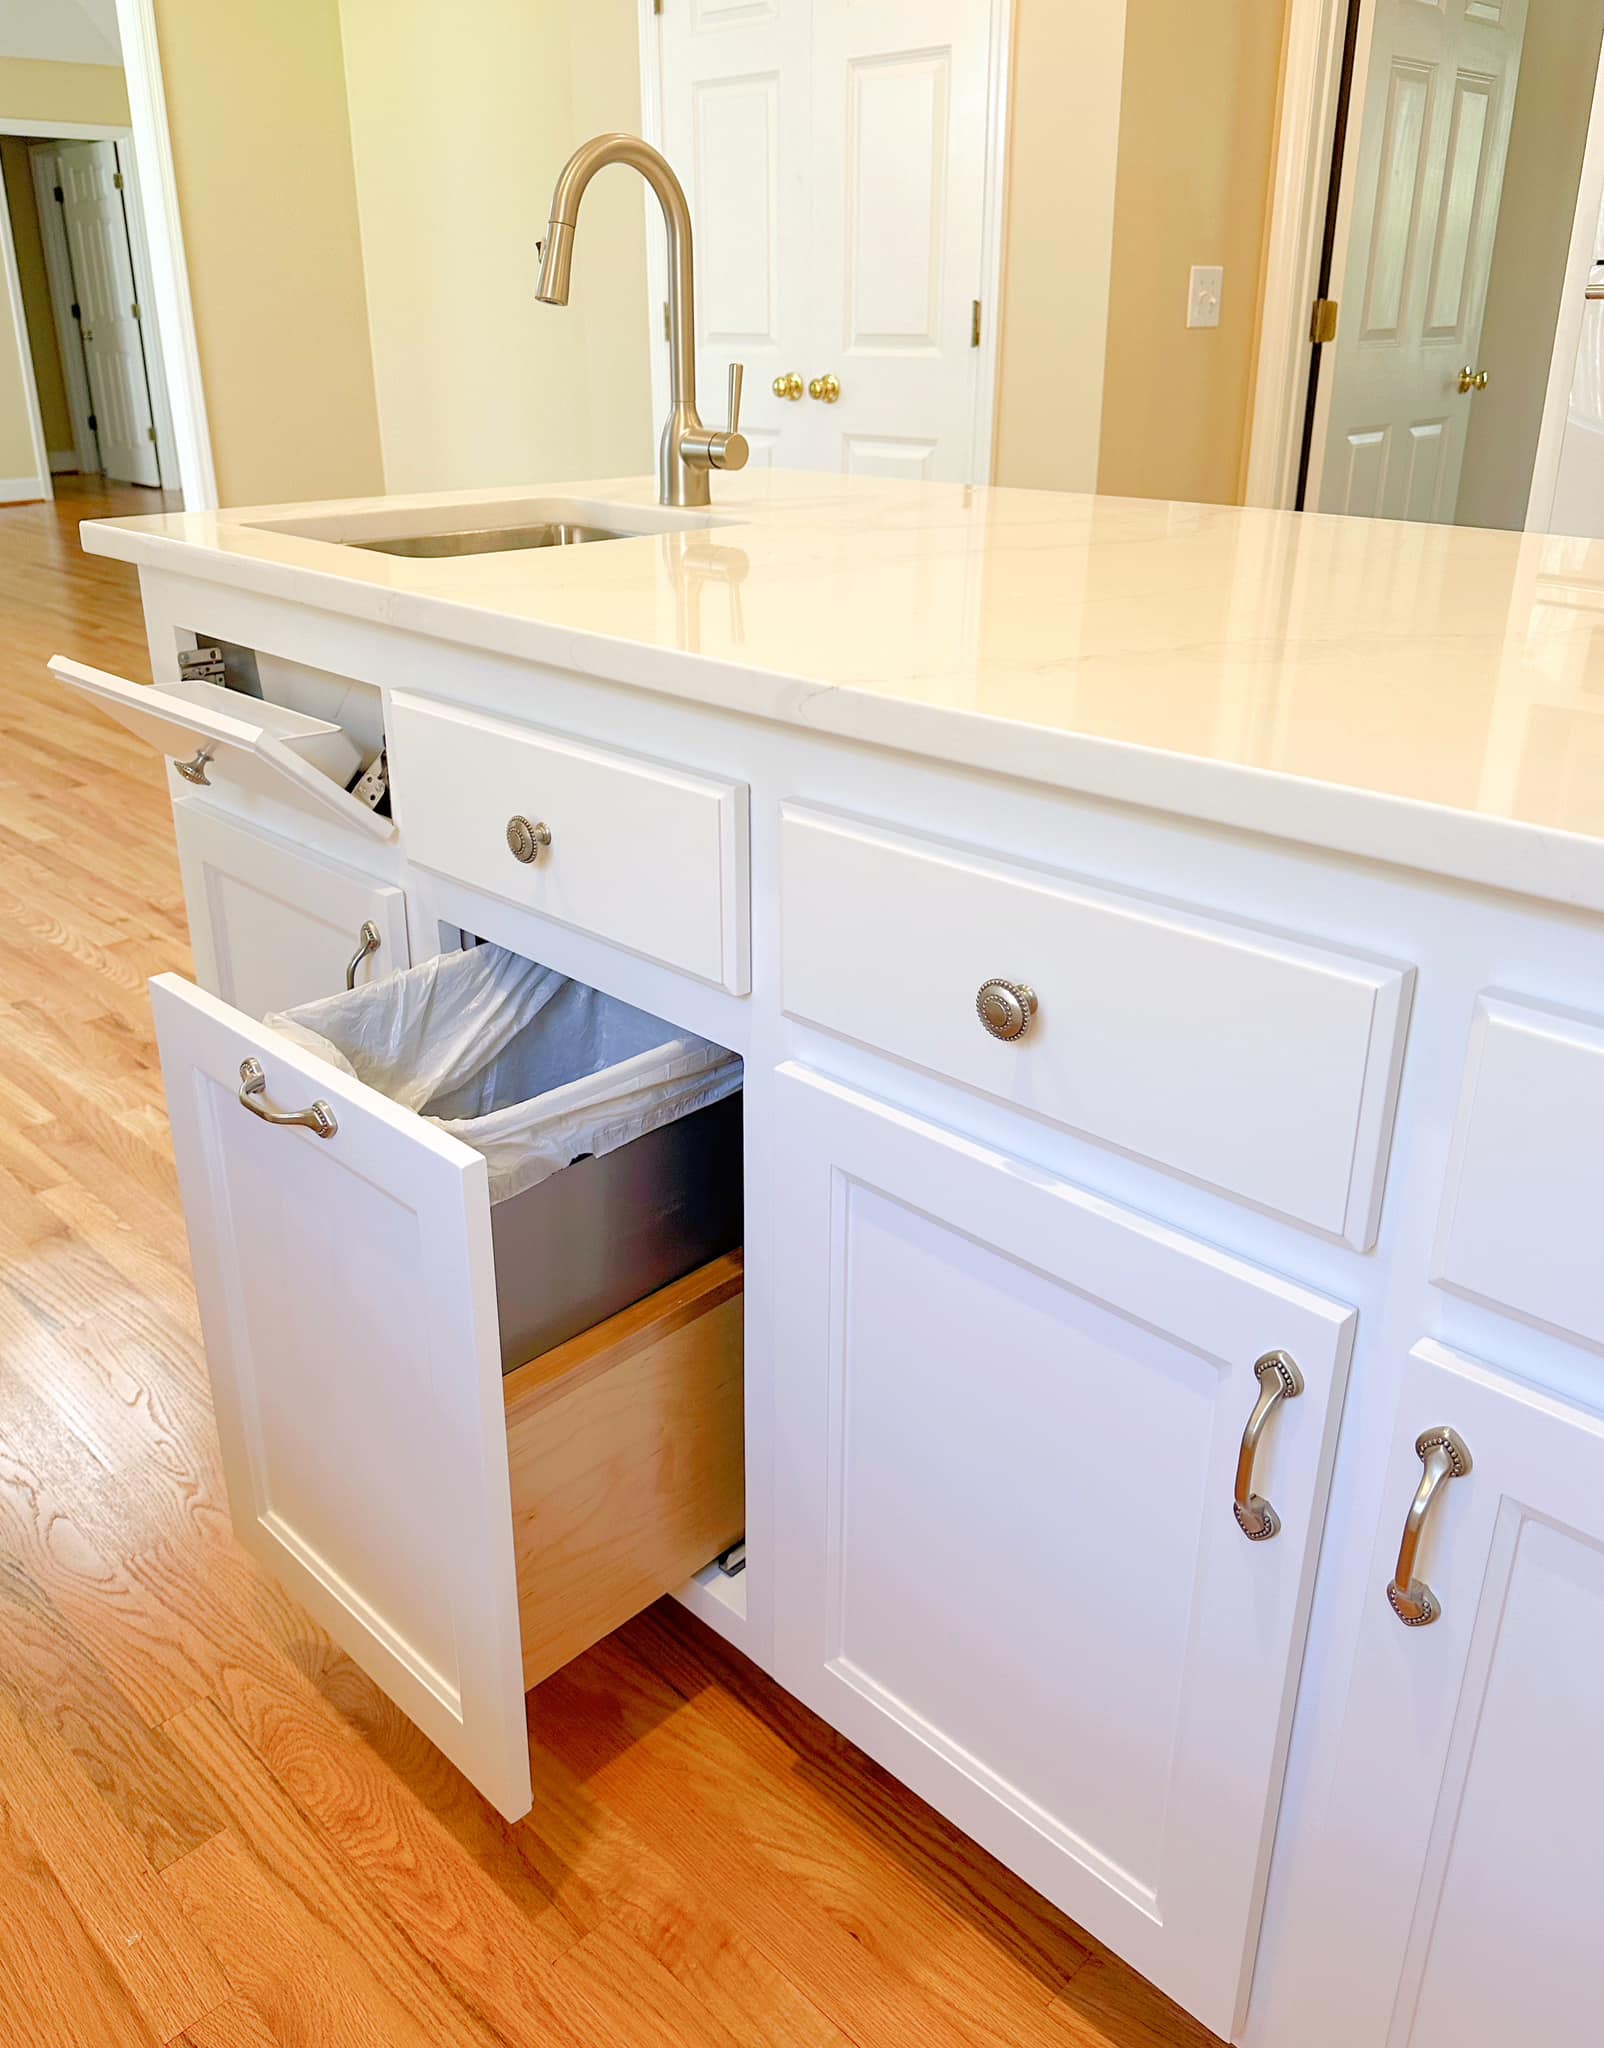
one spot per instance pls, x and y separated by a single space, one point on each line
1472 380
788 385
827 388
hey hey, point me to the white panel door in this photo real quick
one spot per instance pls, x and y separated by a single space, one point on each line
1009 1420
272 926
736 127
835 155
1463 1850
103 276
900 92
348 1302
1423 212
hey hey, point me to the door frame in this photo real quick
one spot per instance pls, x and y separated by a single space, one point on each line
993 225
154 222
1299 187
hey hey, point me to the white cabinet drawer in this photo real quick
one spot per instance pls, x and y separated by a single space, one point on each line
1520 1217
648 856
225 738
271 925
1245 1059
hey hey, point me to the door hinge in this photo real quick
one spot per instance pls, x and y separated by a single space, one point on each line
116 181
134 309
94 424
150 433
665 319
61 197
974 323
1323 321
75 312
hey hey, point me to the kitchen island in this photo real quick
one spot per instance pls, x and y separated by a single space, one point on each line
1164 945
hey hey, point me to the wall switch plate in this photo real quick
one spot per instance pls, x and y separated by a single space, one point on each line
1203 295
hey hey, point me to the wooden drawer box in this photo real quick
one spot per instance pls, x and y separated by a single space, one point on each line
651 857
1262 1065
1525 1187
460 1534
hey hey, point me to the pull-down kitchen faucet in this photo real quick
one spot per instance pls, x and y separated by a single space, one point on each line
688 450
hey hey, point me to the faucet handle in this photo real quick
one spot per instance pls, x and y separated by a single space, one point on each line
737 373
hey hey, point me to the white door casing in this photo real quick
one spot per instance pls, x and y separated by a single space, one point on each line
1102 1692
1459 1846
103 272
1418 218
843 163
348 1303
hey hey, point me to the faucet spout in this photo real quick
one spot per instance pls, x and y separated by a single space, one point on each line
688 450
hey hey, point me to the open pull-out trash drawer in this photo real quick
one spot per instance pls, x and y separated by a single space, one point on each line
218 736
458 1532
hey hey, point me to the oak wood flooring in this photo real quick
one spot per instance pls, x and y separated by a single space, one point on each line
213 1829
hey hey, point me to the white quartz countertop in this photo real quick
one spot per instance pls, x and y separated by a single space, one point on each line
1426 695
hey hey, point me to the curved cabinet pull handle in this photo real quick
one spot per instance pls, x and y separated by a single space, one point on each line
1443 1454
367 942
253 1085
1279 1380
194 769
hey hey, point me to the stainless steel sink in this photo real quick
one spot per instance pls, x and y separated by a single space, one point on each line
491 540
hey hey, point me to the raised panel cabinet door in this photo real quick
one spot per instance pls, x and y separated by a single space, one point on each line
271 926
1010 1424
348 1303
1462 1852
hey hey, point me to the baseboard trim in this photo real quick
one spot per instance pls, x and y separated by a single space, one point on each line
63 459
24 490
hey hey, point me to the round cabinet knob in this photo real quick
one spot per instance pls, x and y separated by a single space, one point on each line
524 840
788 385
827 388
1006 1008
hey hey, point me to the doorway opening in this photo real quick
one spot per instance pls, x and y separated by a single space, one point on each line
89 309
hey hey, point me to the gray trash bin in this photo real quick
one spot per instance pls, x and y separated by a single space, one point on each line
613 1141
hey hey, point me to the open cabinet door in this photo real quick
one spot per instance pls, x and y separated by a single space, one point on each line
348 1301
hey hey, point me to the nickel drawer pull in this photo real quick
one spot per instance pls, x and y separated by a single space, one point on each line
1443 1454
253 1085
367 942
194 769
1005 1007
1279 1380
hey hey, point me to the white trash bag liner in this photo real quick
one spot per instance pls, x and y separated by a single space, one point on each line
531 1069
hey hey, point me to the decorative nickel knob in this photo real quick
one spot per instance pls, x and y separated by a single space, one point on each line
1006 1008
524 840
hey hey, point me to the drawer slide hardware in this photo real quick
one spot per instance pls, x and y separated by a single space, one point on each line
368 941
732 1562
1443 1454
253 1085
1279 1380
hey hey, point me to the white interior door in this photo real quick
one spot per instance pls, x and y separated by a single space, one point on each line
1461 1858
1421 212
1008 1423
103 272
348 1301
836 157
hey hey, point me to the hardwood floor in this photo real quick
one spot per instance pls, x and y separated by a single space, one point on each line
213 1829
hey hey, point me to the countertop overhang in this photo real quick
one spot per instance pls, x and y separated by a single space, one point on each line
1423 695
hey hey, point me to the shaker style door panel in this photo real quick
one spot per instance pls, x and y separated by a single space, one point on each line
348 1302
1010 1420
1461 1852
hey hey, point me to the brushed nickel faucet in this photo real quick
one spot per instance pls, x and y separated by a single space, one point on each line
688 450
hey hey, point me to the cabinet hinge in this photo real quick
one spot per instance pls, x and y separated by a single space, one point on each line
117 181
75 312
134 309
150 433
94 424
61 197
974 323
1323 321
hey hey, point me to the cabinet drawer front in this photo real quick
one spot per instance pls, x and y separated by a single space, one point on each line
1248 1060
1525 1187
272 926
650 857
1008 1422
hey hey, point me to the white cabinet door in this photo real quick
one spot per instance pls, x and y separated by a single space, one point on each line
271 926
1009 1420
348 1301
1462 1854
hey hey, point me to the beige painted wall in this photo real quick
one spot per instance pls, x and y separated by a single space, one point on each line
1197 131
38 314
257 113
1553 101
461 117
